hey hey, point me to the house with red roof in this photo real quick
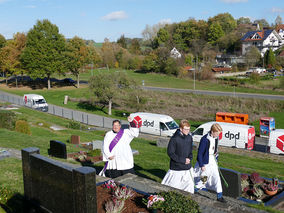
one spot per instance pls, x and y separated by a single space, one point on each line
262 39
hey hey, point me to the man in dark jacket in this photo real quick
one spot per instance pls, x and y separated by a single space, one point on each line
180 174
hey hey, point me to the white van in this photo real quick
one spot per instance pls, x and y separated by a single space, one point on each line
35 101
276 141
156 124
233 135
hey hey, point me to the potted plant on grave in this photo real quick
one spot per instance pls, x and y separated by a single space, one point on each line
270 189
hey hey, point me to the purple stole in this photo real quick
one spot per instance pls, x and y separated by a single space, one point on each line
113 143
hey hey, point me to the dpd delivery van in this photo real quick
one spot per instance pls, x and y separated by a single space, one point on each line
156 124
276 141
35 102
233 135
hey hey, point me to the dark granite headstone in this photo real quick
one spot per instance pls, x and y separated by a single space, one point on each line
57 149
53 186
233 178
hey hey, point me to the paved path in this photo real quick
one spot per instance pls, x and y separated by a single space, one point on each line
218 93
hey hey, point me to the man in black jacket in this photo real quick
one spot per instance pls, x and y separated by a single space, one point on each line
180 174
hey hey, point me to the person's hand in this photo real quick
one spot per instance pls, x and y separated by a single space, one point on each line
203 168
111 158
187 161
129 119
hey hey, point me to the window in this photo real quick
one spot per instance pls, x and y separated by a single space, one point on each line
163 126
172 125
40 101
198 131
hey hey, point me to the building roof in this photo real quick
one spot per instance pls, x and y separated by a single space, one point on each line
221 69
278 27
258 35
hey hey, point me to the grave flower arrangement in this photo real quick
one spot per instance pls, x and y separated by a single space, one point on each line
154 202
110 184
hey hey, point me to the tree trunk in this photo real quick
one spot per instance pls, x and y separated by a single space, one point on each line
78 80
6 80
109 106
48 82
16 81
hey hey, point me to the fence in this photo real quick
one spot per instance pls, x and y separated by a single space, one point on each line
83 117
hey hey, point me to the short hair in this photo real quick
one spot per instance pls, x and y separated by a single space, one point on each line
184 123
116 121
216 128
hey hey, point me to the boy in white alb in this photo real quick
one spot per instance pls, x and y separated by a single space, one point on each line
117 152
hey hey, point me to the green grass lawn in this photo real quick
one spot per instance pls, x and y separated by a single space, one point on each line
160 80
152 161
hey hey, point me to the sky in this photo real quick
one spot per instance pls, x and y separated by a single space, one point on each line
100 19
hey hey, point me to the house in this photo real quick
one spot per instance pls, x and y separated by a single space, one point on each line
175 53
262 39
280 30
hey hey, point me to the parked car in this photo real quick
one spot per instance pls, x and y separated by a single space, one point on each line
68 81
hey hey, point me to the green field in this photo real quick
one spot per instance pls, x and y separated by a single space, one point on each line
160 80
152 161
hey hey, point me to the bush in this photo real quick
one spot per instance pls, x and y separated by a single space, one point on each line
178 203
94 153
74 125
7 119
5 194
23 127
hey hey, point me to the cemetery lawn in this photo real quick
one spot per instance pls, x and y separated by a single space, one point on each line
152 161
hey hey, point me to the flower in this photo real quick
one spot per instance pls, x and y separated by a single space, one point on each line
110 184
271 187
154 201
123 193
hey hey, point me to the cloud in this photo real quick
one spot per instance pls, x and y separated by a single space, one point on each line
165 21
277 10
234 1
114 16
3 1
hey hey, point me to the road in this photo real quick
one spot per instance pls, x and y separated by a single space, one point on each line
218 93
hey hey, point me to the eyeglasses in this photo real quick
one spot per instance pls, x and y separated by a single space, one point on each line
186 129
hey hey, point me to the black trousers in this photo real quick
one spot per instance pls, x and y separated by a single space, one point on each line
113 173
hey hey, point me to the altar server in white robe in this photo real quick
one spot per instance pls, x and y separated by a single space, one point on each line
180 174
206 165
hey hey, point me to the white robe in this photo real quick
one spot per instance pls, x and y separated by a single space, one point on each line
123 159
211 171
182 180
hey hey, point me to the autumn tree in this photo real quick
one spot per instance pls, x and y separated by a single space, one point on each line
12 51
278 20
78 56
122 42
135 46
2 41
243 20
44 54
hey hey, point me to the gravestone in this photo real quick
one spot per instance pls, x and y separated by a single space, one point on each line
4 154
75 139
57 149
233 178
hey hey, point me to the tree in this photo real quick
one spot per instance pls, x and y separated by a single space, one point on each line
262 23
105 86
108 54
78 56
269 58
13 50
44 54
226 20
135 46
122 42
2 41
278 20
243 20
253 56
215 33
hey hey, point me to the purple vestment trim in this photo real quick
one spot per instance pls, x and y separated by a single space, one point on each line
113 143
